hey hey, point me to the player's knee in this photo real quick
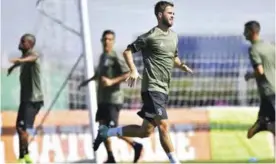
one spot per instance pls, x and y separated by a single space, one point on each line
21 132
163 127
20 128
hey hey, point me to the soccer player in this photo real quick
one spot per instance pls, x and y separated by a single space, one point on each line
262 57
111 71
159 51
31 97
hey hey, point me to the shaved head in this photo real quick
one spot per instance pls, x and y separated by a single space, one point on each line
27 42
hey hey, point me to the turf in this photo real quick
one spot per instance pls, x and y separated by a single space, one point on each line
230 145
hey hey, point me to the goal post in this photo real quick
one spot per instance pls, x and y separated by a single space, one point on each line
91 97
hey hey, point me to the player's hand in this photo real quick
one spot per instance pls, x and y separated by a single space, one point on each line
10 70
187 69
248 76
133 77
15 60
107 82
84 83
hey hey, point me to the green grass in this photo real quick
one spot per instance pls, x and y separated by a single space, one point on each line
233 145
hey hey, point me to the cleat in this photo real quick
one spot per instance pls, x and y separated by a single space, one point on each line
28 158
110 160
137 152
102 136
21 161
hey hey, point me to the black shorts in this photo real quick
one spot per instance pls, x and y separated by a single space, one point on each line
108 113
267 108
154 106
27 113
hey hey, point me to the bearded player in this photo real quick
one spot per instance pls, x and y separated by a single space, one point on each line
159 51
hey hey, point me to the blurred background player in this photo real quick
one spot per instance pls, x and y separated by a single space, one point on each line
111 71
159 50
262 57
31 97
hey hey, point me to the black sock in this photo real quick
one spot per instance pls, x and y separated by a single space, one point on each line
26 150
110 154
134 144
21 147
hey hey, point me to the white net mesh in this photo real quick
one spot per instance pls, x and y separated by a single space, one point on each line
219 64
58 35
218 78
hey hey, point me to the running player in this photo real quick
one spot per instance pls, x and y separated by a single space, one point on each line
111 71
262 57
159 51
31 97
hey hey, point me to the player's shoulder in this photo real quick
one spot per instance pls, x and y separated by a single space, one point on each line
34 52
148 34
172 32
261 45
116 55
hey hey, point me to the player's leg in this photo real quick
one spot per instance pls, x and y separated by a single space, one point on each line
266 117
143 131
271 114
165 140
108 147
160 101
32 110
113 122
103 117
127 131
136 146
21 130
24 125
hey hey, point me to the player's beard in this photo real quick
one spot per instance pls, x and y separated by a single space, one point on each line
166 22
20 48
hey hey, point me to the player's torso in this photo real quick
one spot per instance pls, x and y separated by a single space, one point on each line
110 68
158 59
267 53
108 65
30 82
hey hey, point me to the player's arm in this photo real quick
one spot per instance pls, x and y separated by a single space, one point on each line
110 82
12 68
129 59
85 82
134 47
18 61
32 57
256 63
181 65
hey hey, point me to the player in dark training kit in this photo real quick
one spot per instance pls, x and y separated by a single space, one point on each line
159 50
31 97
262 57
111 71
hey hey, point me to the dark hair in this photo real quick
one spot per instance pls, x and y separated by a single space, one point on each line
108 32
253 26
30 36
161 6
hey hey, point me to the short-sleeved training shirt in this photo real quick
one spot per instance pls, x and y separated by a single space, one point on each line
159 49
